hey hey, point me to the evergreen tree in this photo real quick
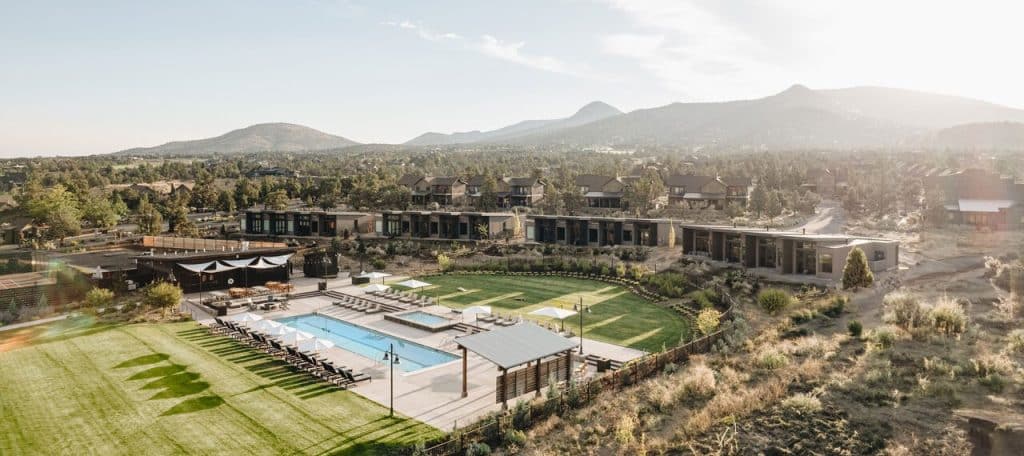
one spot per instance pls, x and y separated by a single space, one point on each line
773 206
488 194
856 273
758 200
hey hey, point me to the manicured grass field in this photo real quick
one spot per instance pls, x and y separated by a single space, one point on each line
77 388
617 316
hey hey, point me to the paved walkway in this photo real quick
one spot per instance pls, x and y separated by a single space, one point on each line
28 324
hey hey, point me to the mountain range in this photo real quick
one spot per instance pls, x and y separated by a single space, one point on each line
798 117
281 137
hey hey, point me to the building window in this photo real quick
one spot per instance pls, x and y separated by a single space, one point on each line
825 260
560 233
463 228
592 235
433 227
627 236
879 255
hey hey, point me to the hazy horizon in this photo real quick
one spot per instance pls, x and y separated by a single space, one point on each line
97 78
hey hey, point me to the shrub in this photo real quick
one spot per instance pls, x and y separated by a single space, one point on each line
699 380
883 337
948 317
444 263
163 295
99 297
624 428
904 310
379 263
856 273
855 328
771 359
620 270
514 438
773 300
802 316
802 403
835 307
1015 341
478 449
708 320
994 382
704 298
521 416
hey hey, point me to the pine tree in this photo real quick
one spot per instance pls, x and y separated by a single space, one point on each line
758 200
856 273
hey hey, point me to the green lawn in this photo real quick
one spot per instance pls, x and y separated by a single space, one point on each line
617 316
77 388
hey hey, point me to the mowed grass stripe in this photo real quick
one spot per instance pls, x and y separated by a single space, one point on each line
172 389
617 316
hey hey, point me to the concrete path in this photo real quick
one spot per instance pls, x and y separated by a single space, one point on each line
829 219
28 324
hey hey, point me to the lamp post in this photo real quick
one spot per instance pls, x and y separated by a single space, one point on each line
580 309
392 357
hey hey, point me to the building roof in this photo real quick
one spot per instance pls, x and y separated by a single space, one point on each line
733 181
691 181
446 180
603 195
982 205
592 180
523 181
513 346
409 180
26 279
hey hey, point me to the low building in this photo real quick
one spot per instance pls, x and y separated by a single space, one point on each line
982 199
178 267
706 192
598 231
302 223
821 256
270 171
447 225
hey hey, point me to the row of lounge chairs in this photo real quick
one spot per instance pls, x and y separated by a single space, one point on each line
359 304
500 320
337 375
404 297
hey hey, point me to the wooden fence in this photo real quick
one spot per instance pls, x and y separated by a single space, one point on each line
568 398
167 242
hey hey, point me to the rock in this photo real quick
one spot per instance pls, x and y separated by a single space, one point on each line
994 433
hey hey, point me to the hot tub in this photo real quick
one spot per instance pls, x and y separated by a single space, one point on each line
422 320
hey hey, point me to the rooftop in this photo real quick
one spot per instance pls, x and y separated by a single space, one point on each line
513 346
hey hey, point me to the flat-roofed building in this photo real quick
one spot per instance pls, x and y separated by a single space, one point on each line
302 223
598 231
786 252
447 225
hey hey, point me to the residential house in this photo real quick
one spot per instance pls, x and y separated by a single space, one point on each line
474 189
983 199
704 192
821 181
419 187
602 191
525 191
448 190
273 171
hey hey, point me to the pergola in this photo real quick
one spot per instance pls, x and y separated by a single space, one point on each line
514 346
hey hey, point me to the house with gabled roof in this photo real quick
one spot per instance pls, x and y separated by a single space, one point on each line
703 192
602 191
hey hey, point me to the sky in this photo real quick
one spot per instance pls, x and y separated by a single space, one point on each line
96 77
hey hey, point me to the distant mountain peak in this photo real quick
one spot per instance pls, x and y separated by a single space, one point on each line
261 137
598 108
796 89
591 112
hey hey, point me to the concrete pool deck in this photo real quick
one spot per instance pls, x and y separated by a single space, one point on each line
434 394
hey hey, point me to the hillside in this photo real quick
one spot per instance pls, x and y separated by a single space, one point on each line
991 135
795 118
591 112
281 137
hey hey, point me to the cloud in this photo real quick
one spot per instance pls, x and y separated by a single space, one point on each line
490 46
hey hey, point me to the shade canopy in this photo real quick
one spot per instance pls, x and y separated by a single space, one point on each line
263 264
373 275
513 346
413 284
295 337
553 312
281 330
376 287
277 260
245 317
486 310
265 325
197 267
314 345
240 263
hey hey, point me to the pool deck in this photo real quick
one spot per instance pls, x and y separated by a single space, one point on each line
433 394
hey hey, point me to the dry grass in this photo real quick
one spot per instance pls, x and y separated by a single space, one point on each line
802 403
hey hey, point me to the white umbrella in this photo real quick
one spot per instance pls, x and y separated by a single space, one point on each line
281 330
373 275
476 310
413 284
265 326
247 317
553 312
375 287
314 345
295 337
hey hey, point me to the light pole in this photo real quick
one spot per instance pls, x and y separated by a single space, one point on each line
580 309
392 357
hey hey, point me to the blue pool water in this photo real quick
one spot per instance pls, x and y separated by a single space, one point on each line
420 316
367 342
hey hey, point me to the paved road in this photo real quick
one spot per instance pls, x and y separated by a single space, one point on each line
829 219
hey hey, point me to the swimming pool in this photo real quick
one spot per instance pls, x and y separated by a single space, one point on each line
367 342
425 318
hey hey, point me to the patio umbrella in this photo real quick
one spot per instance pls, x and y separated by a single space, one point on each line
476 310
413 284
375 287
295 337
554 312
264 326
314 345
246 318
374 275
280 330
